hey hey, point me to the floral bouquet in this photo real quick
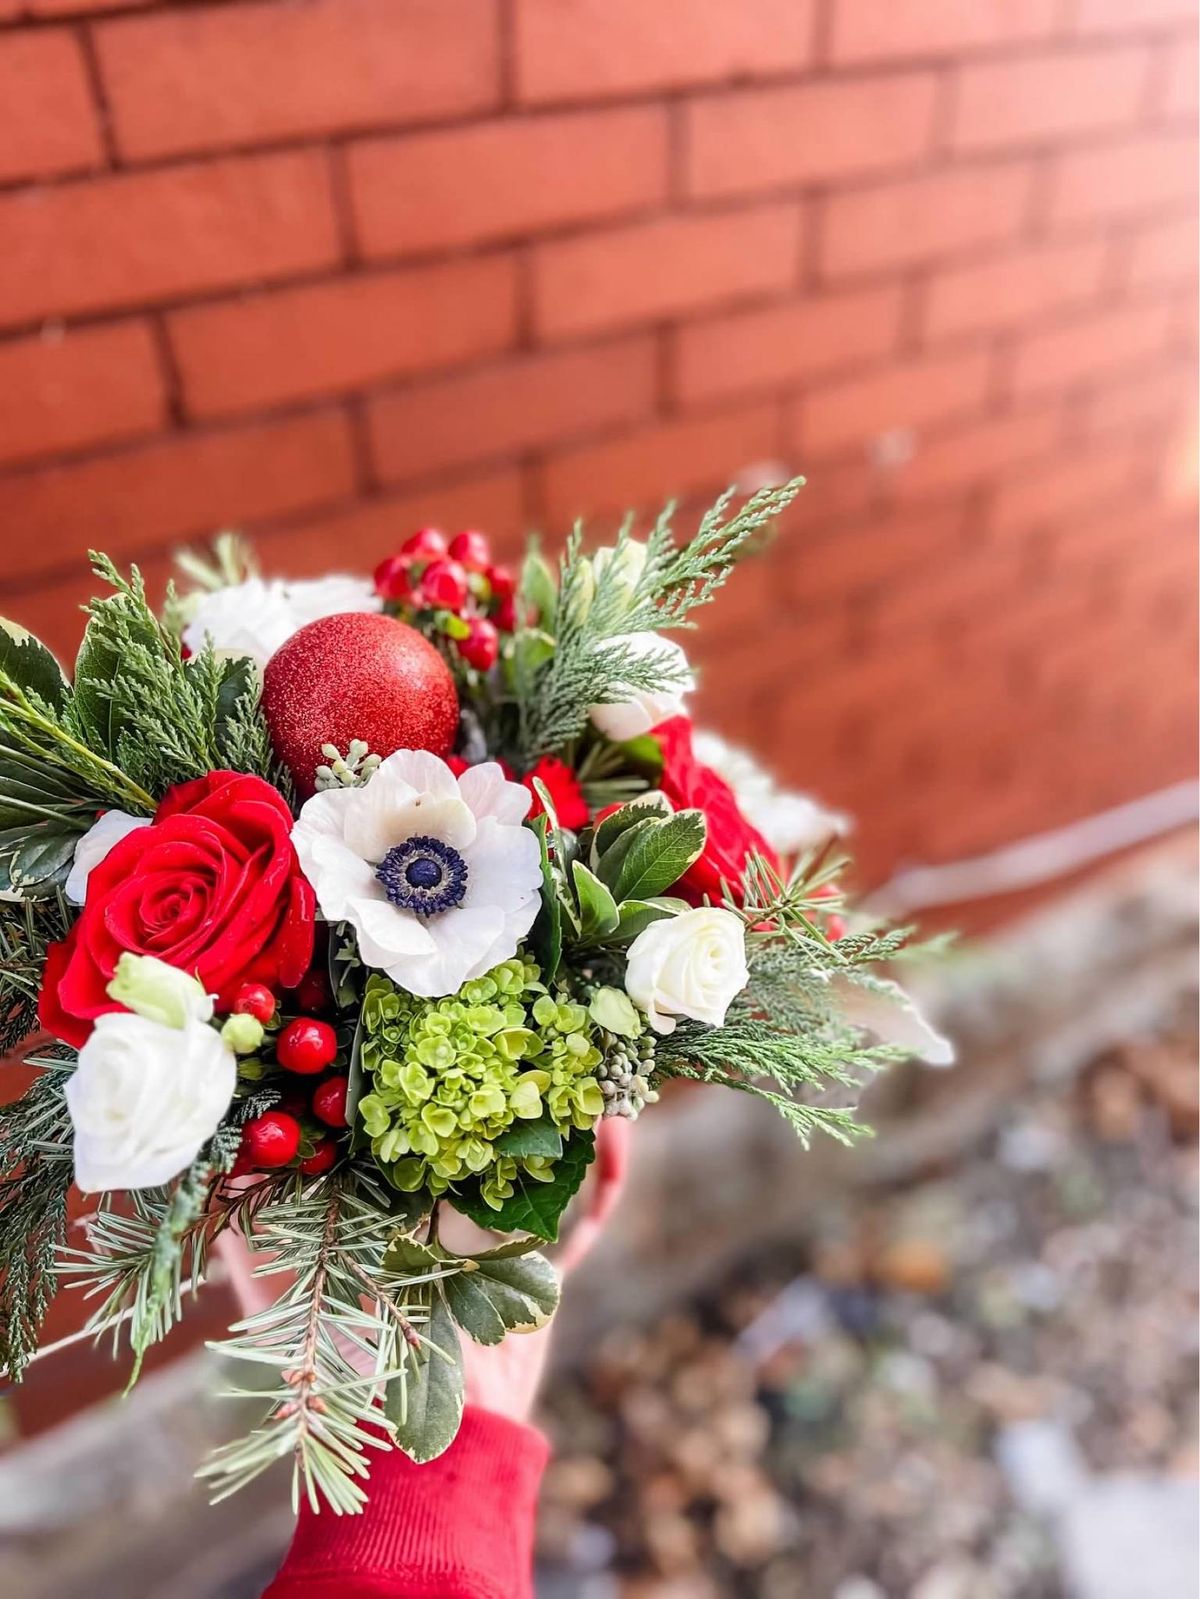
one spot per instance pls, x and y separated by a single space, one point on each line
340 903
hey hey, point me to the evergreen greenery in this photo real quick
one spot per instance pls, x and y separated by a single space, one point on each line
583 663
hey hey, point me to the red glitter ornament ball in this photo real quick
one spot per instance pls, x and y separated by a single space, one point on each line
356 675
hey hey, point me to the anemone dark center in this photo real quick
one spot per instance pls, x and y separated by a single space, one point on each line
424 875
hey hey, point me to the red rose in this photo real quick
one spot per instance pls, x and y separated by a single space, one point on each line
212 887
563 788
731 839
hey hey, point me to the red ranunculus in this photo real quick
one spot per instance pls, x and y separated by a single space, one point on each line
731 839
563 788
212 887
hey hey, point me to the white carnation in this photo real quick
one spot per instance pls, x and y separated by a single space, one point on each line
693 964
144 1099
255 617
639 710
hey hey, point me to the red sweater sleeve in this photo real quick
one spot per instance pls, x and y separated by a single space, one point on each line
460 1527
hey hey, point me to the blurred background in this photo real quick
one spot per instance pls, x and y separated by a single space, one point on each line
327 270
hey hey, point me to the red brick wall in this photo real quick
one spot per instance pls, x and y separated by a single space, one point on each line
324 269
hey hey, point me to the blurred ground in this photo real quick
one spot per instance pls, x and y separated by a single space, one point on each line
933 1397
958 1365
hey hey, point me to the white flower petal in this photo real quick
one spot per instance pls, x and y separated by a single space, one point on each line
885 1009
489 793
467 943
386 933
255 617
503 865
644 709
95 844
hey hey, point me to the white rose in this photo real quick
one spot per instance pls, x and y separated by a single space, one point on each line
95 844
255 617
144 1099
643 709
693 964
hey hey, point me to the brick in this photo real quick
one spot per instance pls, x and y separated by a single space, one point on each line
500 179
47 122
184 486
86 386
766 138
1130 16
1014 289
780 345
153 236
864 30
872 555
1127 177
896 224
657 269
208 77
364 533
518 405
593 48
1162 400
910 395
1017 102
301 343
971 456
1163 253
1089 347
73 8
656 464
1063 490
1179 94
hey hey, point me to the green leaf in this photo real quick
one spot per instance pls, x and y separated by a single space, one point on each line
652 856
637 915
426 1404
598 914
535 1207
540 1137
546 936
504 1295
34 858
612 1009
538 588
30 665
532 648
410 1255
645 755
612 827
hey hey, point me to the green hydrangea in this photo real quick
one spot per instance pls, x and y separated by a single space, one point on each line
452 1076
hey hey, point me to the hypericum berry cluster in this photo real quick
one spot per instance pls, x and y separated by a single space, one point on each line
451 1077
469 599
301 1130
625 1075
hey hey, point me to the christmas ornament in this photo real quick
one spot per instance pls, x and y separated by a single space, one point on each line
356 676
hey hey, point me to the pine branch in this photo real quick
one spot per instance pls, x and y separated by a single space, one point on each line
35 1176
26 929
595 608
316 1337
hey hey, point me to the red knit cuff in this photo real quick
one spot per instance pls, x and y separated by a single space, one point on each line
459 1527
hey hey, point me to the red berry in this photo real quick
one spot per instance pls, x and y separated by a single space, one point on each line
506 614
393 580
312 992
503 582
427 544
329 1102
254 999
271 1139
321 1159
481 645
472 549
444 585
306 1046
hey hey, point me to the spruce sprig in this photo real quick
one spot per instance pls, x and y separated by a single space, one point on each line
595 609
334 1243
35 1176
27 928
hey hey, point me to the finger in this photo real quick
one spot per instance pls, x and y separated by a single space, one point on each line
612 1167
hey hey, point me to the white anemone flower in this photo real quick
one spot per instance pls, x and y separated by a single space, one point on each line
436 874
